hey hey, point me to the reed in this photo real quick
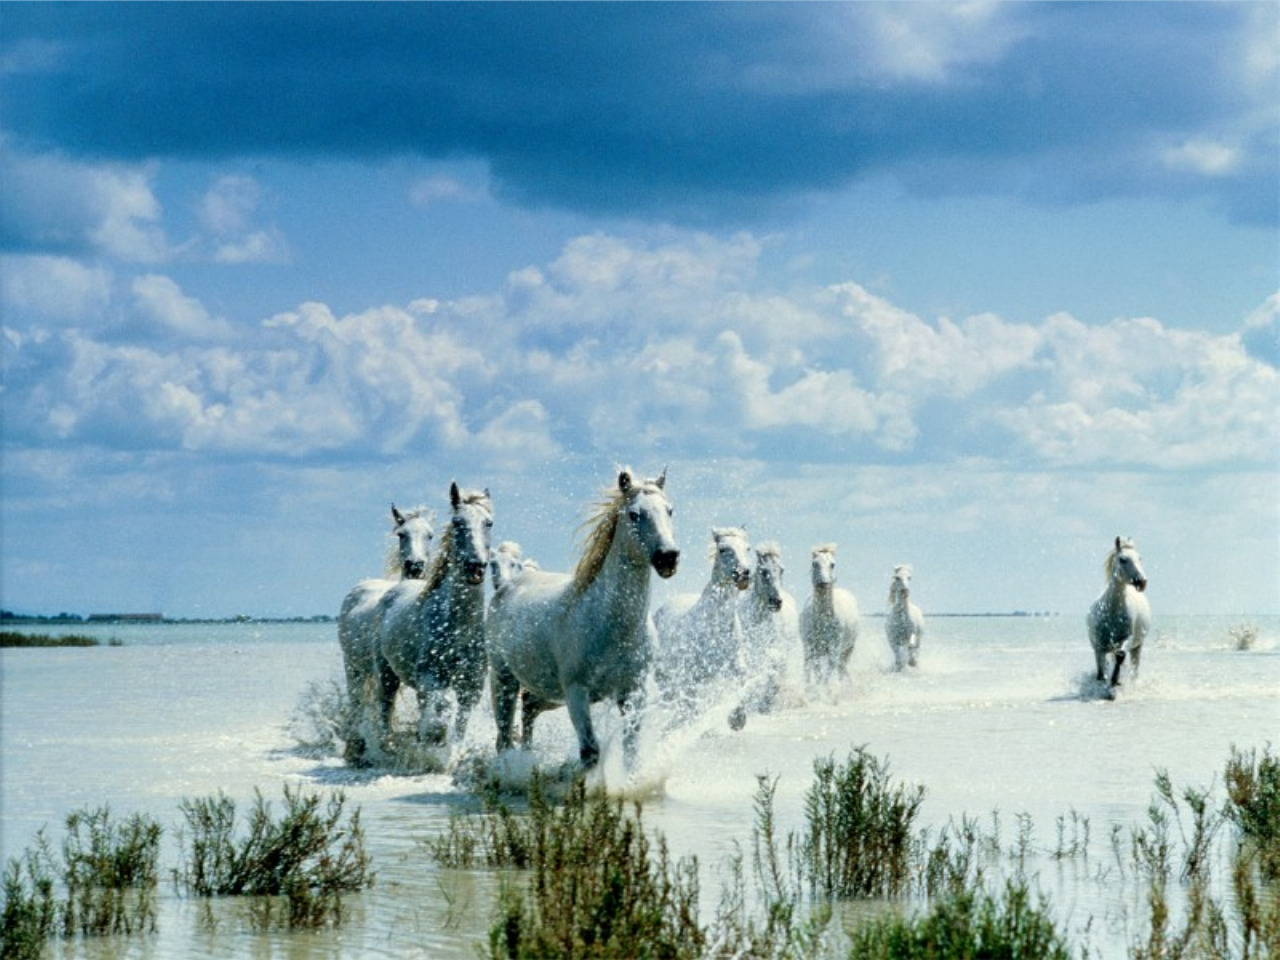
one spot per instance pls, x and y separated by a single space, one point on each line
310 856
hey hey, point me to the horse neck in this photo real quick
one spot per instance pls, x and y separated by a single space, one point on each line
824 598
620 590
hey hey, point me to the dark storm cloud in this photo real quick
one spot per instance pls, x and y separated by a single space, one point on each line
693 111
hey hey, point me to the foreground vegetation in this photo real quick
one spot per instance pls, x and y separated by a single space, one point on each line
103 880
584 877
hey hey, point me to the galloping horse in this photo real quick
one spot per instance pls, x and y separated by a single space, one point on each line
904 626
1120 618
579 638
432 632
829 621
770 631
700 635
360 618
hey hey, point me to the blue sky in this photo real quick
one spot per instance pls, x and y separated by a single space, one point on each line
974 286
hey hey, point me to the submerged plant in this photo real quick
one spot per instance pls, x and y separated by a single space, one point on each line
968 924
30 909
1253 805
310 856
103 883
598 887
110 873
859 828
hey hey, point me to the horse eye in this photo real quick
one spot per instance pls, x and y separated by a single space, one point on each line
634 515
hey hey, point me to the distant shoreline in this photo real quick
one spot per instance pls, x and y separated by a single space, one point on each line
132 620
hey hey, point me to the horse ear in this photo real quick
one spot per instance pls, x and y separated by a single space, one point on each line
662 478
624 480
397 516
1117 544
454 497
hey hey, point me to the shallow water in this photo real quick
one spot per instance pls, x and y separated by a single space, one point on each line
997 721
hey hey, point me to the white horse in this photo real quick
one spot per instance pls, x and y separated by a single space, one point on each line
770 631
829 621
432 632
699 634
904 626
580 638
1120 618
359 619
508 562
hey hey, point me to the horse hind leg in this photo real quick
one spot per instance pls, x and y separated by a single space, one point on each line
579 705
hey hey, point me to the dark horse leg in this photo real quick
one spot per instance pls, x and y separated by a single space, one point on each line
505 690
530 706
1115 670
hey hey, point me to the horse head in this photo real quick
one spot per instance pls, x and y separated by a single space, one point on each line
1125 565
470 530
900 584
768 575
505 563
731 556
413 533
822 565
647 515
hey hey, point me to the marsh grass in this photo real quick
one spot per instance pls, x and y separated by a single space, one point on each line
300 865
597 885
102 883
859 832
968 923
1253 806
13 638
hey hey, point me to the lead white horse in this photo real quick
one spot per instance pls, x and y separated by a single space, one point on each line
904 626
583 637
1120 618
829 621
432 631
699 634
360 618
770 633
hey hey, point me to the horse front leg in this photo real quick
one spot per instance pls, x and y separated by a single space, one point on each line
630 706
579 704
504 690
1117 664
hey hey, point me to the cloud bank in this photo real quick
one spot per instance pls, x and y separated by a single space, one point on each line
659 342
709 113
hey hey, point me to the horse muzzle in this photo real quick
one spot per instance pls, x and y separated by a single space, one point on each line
665 562
742 579
474 573
1140 585
774 604
415 570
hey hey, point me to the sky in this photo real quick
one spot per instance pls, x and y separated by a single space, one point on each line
974 286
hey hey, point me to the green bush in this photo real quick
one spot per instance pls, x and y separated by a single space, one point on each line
859 836
309 856
967 925
1253 805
